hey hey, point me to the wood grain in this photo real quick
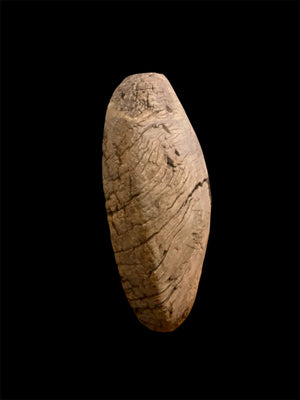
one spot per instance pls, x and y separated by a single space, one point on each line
158 200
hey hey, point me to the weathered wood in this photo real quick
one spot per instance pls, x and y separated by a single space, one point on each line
157 199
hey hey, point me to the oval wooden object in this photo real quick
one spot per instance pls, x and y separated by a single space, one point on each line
157 199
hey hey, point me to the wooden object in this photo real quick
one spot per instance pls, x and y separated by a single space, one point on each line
158 200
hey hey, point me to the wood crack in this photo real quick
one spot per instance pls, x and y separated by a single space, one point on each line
199 184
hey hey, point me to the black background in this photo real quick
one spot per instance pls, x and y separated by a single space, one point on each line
67 329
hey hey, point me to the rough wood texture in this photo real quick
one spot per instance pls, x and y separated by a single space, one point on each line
157 199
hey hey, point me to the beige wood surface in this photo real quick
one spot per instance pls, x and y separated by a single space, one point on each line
158 200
